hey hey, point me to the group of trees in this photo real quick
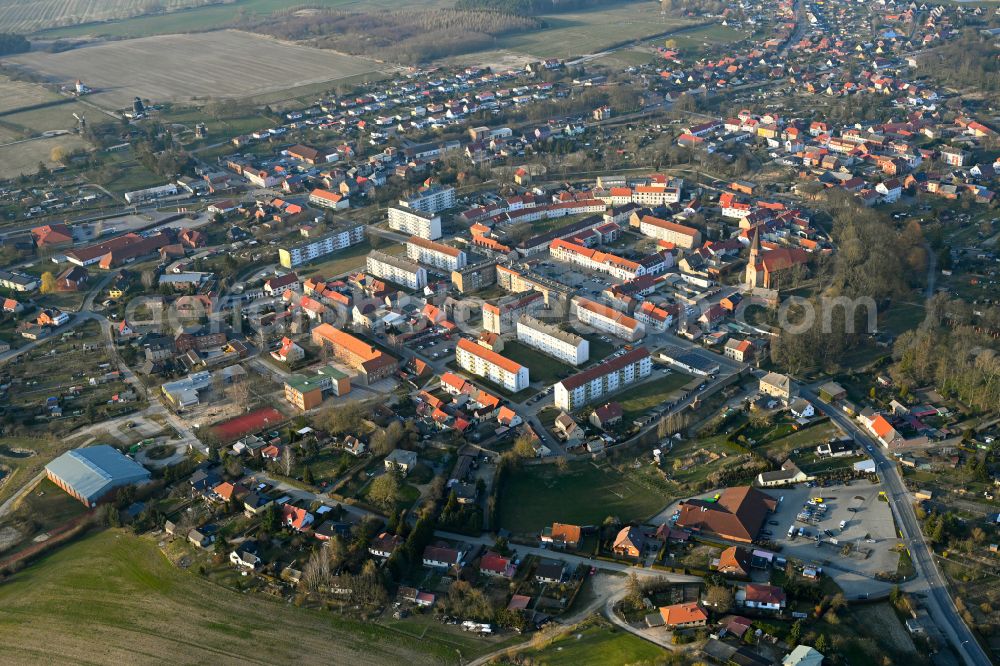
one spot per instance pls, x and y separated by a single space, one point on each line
875 263
411 36
11 43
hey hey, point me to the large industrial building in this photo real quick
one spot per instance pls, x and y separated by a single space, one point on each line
92 474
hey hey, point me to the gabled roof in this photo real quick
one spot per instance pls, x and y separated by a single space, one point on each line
683 613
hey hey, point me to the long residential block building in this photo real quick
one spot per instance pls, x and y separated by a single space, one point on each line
341 238
671 232
608 320
415 222
502 317
595 260
484 362
599 381
396 269
434 254
552 340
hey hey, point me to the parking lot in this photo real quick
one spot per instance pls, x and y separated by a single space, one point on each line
868 528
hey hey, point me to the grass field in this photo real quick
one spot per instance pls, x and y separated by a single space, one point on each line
130 605
640 399
542 368
580 33
18 94
19 158
23 467
597 643
536 496
708 35
225 64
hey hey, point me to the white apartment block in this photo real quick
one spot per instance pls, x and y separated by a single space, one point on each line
553 341
608 320
678 234
655 195
415 223
431 199
484 362
434 254
396 269
596 383
304 252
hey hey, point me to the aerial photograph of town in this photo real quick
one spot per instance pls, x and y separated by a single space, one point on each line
500 332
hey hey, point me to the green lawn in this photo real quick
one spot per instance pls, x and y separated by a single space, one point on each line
808 438
130 604
901 317
640 399
597 643
536 496
542 368
599 349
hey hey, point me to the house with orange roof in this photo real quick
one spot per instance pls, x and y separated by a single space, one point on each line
562 535
52 236
326 199
296 518
684 615
884 431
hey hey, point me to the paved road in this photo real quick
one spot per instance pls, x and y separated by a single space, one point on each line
929 583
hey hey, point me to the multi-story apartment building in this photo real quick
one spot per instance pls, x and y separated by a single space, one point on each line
483 362
502 316
595 260
608 320
517 278
396 269
415 222
552 340
598 382
434 254
341 238
472 278
432 199
678 234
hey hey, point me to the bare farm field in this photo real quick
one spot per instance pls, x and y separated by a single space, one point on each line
225 64
19 94
21 16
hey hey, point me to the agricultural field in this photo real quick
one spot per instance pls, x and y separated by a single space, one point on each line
225 64
585 494
201 16
24 17
579 33
19 94
132 602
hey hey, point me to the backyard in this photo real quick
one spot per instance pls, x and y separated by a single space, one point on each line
595 642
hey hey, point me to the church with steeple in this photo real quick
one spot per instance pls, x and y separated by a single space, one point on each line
764 268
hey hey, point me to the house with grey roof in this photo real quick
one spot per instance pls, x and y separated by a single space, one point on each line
94 473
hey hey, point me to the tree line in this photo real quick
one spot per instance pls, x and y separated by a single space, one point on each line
398 35
523 7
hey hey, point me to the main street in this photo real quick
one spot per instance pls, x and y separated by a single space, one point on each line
929 584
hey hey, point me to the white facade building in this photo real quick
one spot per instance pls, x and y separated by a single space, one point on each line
415 222
594 384
396 269
553 341
484 362
434 254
